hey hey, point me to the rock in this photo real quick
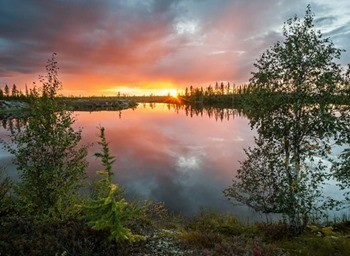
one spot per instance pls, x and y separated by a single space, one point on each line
5 104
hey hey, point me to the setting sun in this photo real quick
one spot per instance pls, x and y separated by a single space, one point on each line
215 123
173 93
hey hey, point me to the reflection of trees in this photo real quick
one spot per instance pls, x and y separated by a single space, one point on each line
219 114
270 182
341 165
196 110
294 150
11 123
342 172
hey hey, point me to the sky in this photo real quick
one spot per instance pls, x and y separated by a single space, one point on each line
150 46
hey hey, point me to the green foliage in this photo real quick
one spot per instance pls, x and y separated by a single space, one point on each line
201 240
46 150
209 229
302 63
107 160
343 171
225 224
292 90
101 187
258 181
263 184
314 245
35 236
5 186
107 212
153 216
341 165
217 234
7 91
211 233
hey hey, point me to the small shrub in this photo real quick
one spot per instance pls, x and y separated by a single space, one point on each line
5 186
33 236
47 152
109 212
153 216
111 215
214 232
274 231
313 245
224 224
199 239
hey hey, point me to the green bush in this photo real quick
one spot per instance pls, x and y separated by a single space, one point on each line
109 212
111 215
34 236
5 186
47 154
313 245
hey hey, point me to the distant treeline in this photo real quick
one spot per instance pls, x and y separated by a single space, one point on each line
225 95
220 95
8 92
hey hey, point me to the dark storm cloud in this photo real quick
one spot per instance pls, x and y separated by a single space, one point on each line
31 30
83 30
139 41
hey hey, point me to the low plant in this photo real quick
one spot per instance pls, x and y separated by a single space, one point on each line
47 152
5 186
274 231
310 244
224 224
210 230
108 212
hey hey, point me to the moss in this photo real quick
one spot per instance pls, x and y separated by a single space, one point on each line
313 245
199 239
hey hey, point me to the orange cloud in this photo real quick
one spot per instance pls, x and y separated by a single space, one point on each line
109 45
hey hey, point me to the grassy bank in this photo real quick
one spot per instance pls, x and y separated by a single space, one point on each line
208 233
97 103
77 104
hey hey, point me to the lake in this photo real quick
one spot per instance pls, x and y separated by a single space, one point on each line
176 156
172 156
182 157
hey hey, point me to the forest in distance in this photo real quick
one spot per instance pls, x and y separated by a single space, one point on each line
298 101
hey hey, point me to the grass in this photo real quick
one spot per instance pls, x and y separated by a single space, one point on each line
208 233
217 234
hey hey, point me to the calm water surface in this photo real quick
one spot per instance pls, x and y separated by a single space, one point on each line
180 157
168 156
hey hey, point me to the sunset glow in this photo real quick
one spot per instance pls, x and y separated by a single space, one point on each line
173 93
143 47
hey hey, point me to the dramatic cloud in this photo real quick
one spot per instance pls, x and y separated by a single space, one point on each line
106 46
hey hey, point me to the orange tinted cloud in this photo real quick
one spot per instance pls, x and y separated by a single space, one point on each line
104 46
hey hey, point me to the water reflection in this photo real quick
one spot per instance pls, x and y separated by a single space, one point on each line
9 124
164 155
12 124
200 110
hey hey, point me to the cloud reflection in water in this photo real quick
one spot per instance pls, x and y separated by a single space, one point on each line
167 156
